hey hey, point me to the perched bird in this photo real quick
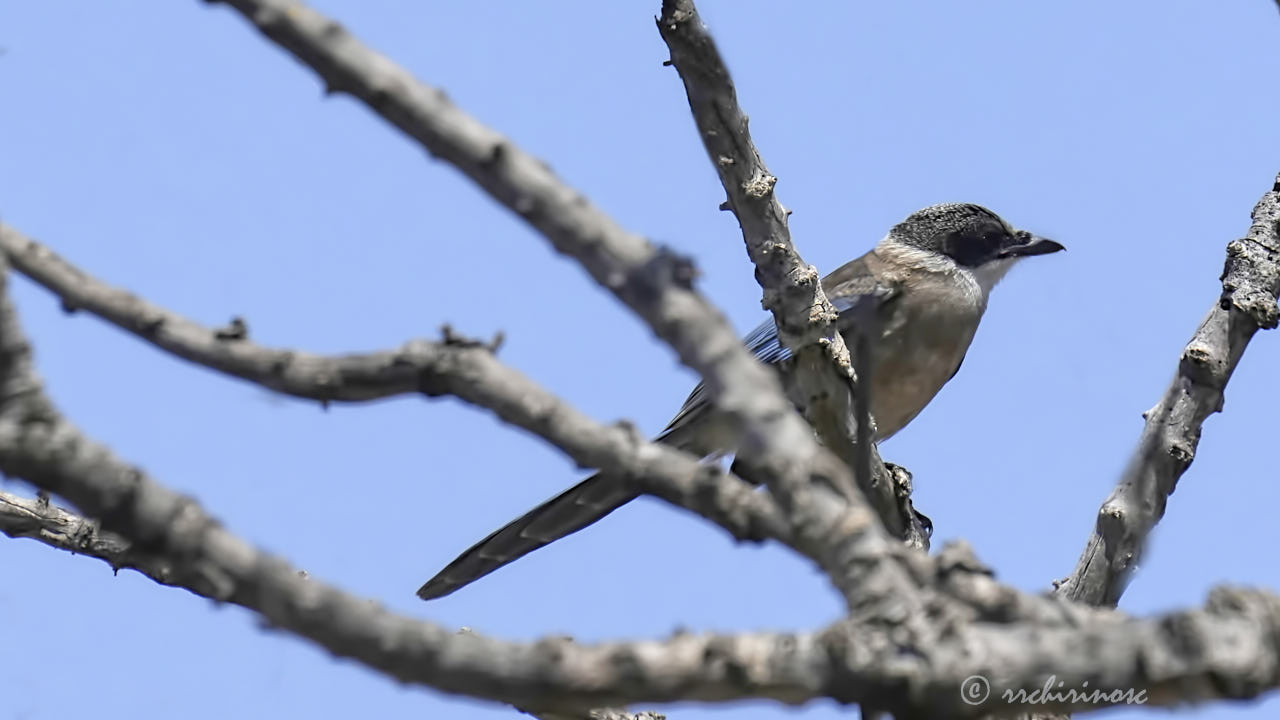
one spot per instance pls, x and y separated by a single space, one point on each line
927 283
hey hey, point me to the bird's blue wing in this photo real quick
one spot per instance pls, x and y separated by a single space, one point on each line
763 342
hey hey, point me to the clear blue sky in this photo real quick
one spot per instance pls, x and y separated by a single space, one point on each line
169 149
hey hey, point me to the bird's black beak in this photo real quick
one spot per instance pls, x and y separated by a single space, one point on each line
1031 245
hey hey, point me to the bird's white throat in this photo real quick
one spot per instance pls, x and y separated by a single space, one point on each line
990 273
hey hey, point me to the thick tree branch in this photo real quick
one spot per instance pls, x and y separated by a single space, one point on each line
549 674
39 520
1250 285
657 284
653 282
898 658
1230 649
40 446
456 366
792 291
600 714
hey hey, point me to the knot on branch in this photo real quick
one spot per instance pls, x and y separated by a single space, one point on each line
673 16
1113 520
901 478
452 338
838 356
1182 454
1202 365
237 329
760 186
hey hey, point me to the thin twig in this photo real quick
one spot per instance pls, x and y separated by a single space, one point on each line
40 520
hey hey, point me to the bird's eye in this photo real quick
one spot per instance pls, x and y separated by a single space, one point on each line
993 242
977 245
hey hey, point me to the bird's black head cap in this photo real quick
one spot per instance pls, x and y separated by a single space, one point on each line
969 234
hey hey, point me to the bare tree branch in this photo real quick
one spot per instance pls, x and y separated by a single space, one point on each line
897 658
347 378
37 444
792 291
655 283
1230 649
38 519
600 714
843 538
917 626
463 368
1250 285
